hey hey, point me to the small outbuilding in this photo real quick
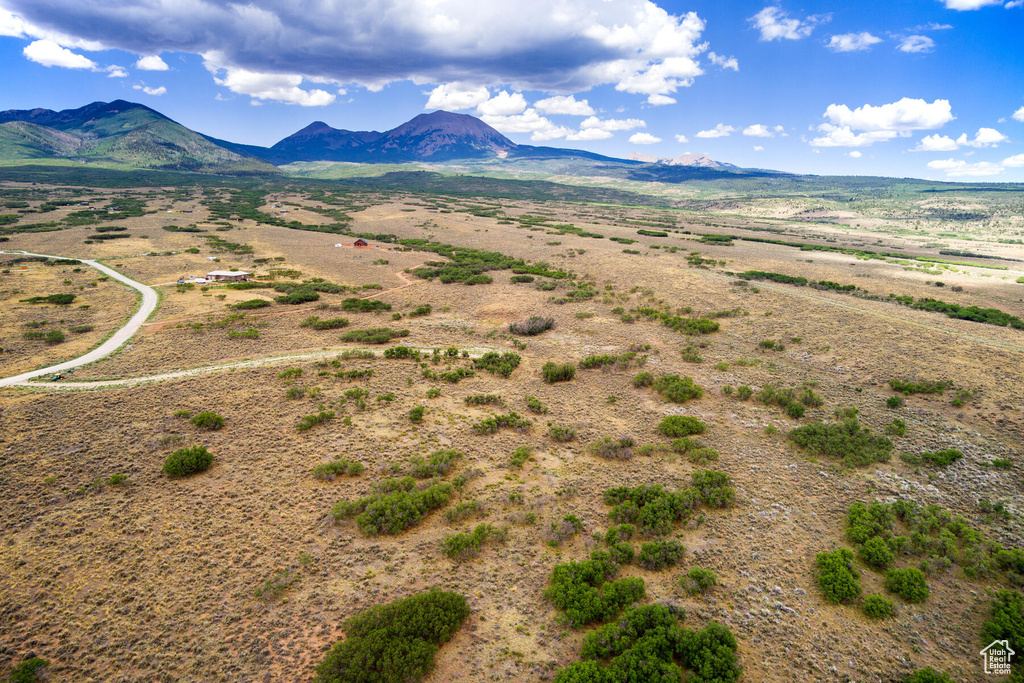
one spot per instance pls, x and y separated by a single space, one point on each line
227 276
360 243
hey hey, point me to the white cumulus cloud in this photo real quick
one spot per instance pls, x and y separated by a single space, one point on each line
985 137
503 104
854 154
913 44
264 86
612 124
49 53
529 121
853 42
719 131
1019 115
151 63
955 168
774 24
457 96
724 62
962 5
936 143
590 134
643 139
881 123
758 148
759 130
151 91
564 104
682 138
1016 161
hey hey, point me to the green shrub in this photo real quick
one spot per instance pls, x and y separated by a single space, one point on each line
681 425
943 458
613 449
521 278
743 392
250 304
532 326
396 508
186 461
484 400
677 389
289 373
373 335
439 463
419 311
928 675
28 671
494 423
909 584
520 456
307 422
847 441
657 555
876 552
465 510
896 428
207 420
394 643
416 414
498 364
562 434
54 337
698 580
316 323
585 591
644 379
1007 620
464 546
877 607
534 405
328 471
299 296
894 402
837 578
364 305
622 361
558 372
57 299
917 386
655 510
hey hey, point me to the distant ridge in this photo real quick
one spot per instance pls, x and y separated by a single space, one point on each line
698 160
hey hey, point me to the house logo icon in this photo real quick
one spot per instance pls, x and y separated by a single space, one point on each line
997 657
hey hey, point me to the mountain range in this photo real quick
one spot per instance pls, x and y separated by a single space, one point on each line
131 134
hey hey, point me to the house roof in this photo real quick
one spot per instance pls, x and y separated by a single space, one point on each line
227 273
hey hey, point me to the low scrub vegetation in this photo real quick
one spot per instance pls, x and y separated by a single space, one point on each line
658 555
501 364
186 461
838 580
681 425
492 424
908 583
532 326
586 592
558 372
846 441
307 422
613 449
394 643
316 323
364 305
373 335
655 510
463 546
207 420
398 506
698 580
329 471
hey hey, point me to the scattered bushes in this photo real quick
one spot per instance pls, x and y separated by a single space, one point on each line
364 305
558 372
613 449
877 553
908 387
464 546
1007 620
894 402
498 364
494 423
681 425
621 361
847 441
419 311
877 607
484 400
307 422
655 510
674 388
943 458
562 434
394 643
534 405
928 675
298 296
416 414
698 580
316 323
396 508
186 461
519 457
438 464
532 326
837 578
585 591
909 584
28 671
329 471
657 555
207 420
373 335
57 299
250 304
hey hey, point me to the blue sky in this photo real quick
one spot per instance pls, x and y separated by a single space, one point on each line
918 88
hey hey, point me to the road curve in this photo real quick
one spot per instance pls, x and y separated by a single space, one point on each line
149 302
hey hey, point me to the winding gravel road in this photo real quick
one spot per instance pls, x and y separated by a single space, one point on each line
149 302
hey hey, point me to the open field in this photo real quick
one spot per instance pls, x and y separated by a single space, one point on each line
242 573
